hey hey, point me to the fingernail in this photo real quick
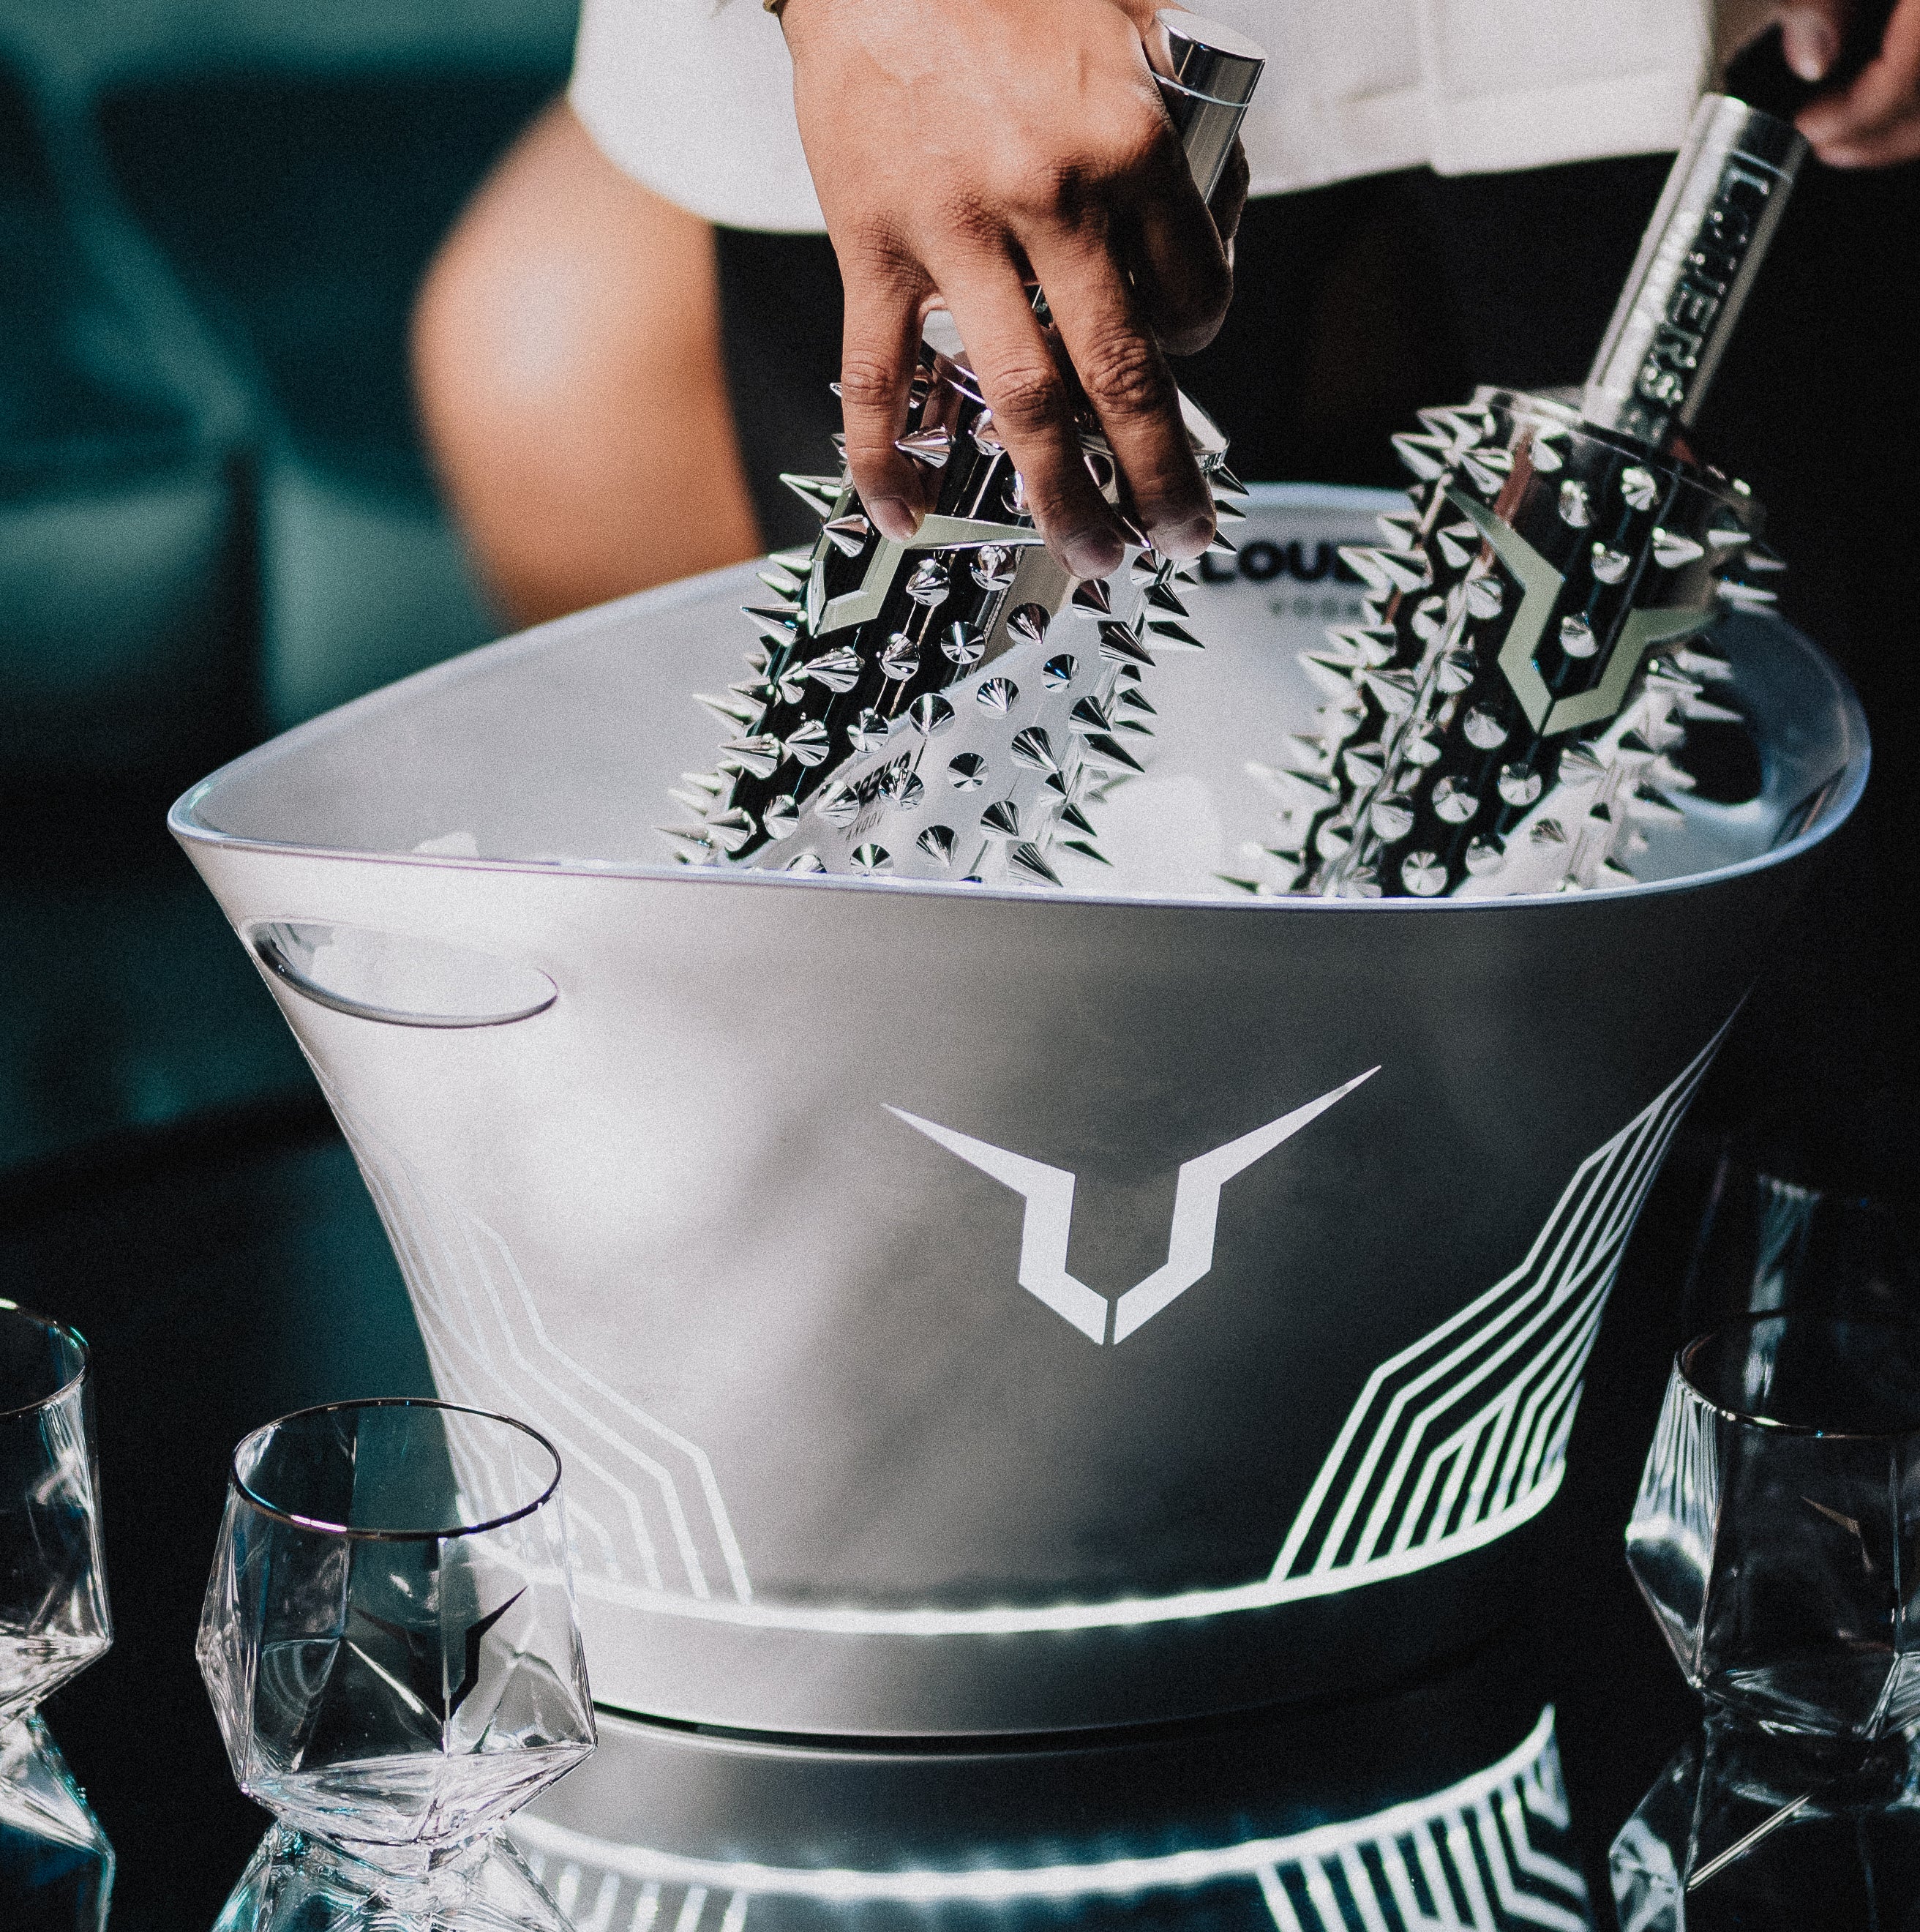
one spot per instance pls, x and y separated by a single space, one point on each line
1809 43
896 516
1093 554
1186 540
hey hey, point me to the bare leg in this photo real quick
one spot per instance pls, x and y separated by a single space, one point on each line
567 357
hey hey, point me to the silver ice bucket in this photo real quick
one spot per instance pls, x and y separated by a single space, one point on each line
964 1309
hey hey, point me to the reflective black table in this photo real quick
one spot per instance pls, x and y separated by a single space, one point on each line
235 1271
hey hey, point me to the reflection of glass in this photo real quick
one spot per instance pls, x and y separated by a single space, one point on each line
1777 1531
390 1644
1772 1834
53 1618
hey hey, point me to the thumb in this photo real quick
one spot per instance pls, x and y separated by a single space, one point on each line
1810 33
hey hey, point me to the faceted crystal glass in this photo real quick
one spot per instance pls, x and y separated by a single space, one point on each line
55 1865
1770 1244
389 1637
1776 1536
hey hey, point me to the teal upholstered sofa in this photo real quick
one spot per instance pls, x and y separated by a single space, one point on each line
215 518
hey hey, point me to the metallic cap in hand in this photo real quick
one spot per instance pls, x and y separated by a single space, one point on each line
1211 76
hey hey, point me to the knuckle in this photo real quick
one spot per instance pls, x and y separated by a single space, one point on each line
1027 398
869 380
1124 375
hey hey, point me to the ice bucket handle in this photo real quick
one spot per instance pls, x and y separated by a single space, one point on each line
397 979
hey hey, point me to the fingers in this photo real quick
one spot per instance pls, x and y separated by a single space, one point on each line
1876 121
1229 201
1810 36
1032 405
880 350
1184 281
1126 378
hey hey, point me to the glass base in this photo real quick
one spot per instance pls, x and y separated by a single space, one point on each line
1751 1832
56 1868
297 1883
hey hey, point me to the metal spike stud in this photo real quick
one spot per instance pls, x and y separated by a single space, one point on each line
1423 874
1091 599
759 755
1028 624
819 493
962 644
1001 820
779 621
1108 754
848 534
868 731
1033 748
1671 550
930 446
936 842
728 710
730 830
929 583
1638 487
1025 861
1424 456
837 670
1168 636
966 771
808 745
781 815
1118 645
997 695
930 714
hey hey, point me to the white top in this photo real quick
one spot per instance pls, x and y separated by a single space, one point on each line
694 98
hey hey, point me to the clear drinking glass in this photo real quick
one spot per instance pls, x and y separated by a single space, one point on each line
390 1643
1773 1243
1776 1533
55 1865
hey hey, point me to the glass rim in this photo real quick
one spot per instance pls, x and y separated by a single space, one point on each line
1746 1418
320 1526
47 1325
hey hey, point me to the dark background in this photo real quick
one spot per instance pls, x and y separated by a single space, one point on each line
215 519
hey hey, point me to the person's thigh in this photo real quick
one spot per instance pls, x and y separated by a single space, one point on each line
571 382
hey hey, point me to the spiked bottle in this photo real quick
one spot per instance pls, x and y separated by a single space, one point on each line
1512 717
956 706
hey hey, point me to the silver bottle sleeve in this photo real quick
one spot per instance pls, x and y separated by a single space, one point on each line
1723 202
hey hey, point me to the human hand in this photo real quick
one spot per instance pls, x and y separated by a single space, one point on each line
1872 121
962 148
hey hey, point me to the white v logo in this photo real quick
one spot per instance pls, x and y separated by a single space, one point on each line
1049 1222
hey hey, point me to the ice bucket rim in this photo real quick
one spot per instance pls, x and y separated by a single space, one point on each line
183 821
